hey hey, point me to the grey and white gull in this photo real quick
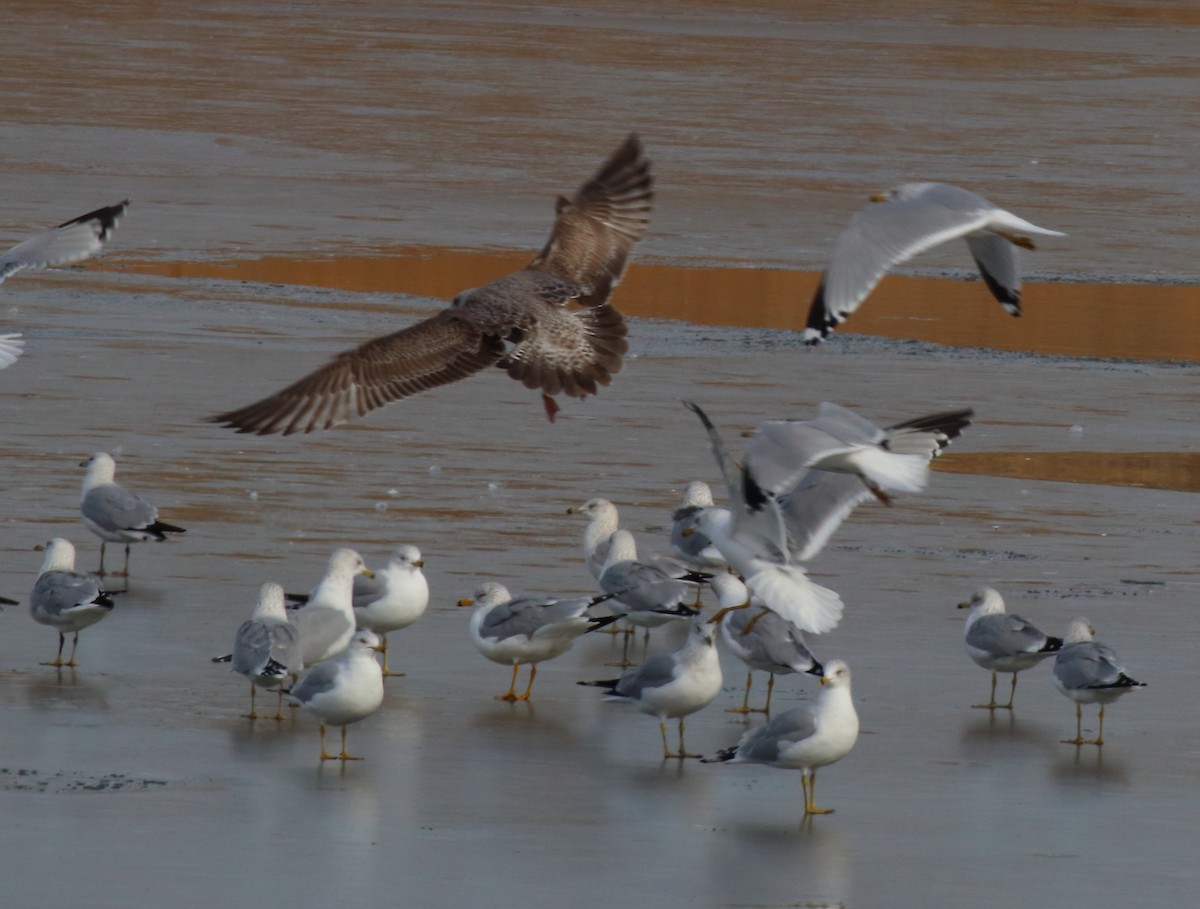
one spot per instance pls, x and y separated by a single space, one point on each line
527 629
904 222
71 241
115 514
1001 642
343 690
805 738
672 685
65 599
1089 672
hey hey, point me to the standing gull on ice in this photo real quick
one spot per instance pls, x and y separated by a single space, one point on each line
266 648
782 511
1089 672
71 241
65 599
1000 642
115 514
767 642
527 629
905 221
393 599
344 690
807 737
326 622
672 685
520 322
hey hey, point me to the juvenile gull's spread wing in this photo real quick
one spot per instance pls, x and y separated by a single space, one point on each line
520 321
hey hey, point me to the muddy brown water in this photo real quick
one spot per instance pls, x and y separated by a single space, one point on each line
382 156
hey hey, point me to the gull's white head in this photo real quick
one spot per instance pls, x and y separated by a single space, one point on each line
985 601
1079 631
488 594
60 556
837 675
101 468
407 556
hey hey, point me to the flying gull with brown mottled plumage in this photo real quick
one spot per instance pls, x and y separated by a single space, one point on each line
522 322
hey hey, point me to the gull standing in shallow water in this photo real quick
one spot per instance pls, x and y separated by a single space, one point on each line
1000 642
905 221
807 737
672 685
326 622
266 648
71 241
394 598
527 629
343 690
760 639
115 514
65 599
520 322
801 479
1089 672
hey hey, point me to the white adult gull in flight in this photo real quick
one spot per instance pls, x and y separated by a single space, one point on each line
904 222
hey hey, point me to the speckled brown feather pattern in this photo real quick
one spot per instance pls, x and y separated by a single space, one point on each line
520 321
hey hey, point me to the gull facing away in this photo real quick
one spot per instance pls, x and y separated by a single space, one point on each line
71 241
527 629
648 592
762 641
65 599
693 547
672 685
1000 642
603 522
266 648
394 598
343 690
801 479
115 514
905 221
1089 672
326 622
520 322
807 737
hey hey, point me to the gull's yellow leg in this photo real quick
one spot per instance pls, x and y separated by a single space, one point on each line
1099 739
1012 693
346 756
57 661
1078 740
662 727
74 644
991 704
811 794
683 752
766 708
754 621
511 694
279 717
529 687
325 756
251 715
383 648
745 708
